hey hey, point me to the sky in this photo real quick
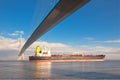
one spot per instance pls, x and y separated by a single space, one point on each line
92 29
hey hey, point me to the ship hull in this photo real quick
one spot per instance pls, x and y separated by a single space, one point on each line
67 58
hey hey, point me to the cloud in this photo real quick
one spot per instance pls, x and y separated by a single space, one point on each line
13 34
9 48
54 47
109 41
8 43
98 50
112 41
19 32
105 41
16 33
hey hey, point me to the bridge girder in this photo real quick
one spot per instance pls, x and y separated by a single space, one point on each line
63 9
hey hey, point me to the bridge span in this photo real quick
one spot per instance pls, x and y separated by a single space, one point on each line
62 9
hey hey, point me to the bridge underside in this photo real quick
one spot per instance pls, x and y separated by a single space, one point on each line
63 9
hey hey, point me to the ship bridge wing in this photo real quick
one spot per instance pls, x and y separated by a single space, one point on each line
63 9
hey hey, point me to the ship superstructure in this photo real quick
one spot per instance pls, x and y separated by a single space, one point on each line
42 52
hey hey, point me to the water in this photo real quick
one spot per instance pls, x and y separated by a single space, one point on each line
59 70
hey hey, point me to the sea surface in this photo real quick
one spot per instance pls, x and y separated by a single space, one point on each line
25 70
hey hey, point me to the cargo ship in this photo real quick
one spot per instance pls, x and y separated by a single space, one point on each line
45 55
